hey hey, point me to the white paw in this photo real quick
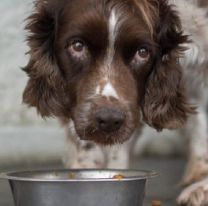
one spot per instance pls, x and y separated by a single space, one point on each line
195 195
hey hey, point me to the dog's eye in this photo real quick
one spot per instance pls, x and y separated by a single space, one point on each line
77 45
141 56
142 53
77 48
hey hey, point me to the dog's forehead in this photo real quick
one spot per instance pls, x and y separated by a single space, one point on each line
106 18
76 9
115 10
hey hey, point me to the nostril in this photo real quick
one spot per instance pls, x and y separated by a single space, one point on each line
101 122
117 123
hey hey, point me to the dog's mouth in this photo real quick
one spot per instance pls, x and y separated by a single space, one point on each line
105 138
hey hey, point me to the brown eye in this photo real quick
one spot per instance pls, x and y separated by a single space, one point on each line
78 45
143 53
77 48
141 56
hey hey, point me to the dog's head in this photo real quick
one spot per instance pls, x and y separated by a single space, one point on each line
104 63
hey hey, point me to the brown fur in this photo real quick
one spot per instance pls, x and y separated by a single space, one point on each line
203 3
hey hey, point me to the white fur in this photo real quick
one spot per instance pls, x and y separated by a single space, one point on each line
195 195
72 128
113 21
112 26
77 156
97 90
197 127
118 155
109 91
193 55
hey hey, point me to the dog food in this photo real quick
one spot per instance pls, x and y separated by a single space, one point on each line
156 203
118 177
71 176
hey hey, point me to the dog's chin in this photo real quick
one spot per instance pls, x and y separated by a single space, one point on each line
103 138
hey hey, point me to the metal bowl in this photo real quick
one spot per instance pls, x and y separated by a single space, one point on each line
79 187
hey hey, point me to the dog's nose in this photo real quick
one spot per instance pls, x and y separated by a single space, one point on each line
109 120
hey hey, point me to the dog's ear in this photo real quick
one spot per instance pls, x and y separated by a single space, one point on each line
165 104
45 87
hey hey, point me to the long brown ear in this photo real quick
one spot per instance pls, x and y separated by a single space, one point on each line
165 104
45 88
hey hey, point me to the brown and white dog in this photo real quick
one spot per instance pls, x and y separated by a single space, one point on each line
106 67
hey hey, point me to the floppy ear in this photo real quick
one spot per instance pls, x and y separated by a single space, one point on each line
165 104
45 87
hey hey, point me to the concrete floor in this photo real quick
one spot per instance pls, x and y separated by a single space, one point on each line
163 188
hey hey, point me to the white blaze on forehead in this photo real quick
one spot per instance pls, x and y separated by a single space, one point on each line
113 26
107 88
109 91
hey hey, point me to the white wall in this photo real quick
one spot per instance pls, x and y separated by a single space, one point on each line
12 58
25 139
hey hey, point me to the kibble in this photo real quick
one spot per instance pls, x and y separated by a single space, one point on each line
156 203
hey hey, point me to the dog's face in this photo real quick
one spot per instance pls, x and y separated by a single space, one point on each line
102 63
106 53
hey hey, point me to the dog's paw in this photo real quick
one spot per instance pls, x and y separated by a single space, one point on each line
195 194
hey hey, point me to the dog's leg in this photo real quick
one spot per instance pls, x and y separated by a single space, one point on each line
82 154
197 166
71 144
196 174
89 155
118 156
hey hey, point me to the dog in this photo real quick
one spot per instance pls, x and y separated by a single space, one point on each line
105 68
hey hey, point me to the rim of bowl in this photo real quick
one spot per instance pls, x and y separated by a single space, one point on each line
139 175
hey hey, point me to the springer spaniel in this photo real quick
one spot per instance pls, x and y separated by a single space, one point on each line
107 67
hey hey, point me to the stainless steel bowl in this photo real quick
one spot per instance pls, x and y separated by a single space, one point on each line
79 187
